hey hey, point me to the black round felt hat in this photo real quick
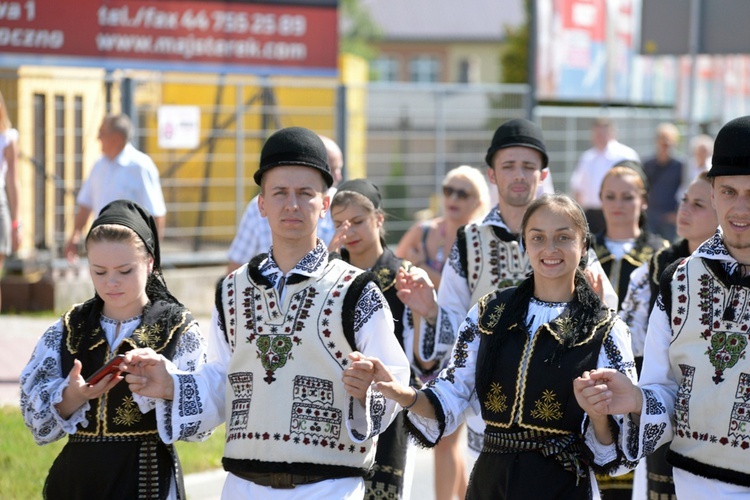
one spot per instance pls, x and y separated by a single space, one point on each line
518 132
732 149
294 146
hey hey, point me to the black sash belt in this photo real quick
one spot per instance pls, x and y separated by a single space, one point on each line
282 480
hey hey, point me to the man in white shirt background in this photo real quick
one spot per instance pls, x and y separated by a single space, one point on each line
122 172
593 165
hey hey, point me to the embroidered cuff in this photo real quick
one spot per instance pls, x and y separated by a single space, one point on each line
78 417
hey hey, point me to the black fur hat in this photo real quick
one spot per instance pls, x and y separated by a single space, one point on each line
732 149
518 132
294 146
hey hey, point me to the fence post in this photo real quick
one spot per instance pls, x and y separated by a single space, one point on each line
239 152
342 123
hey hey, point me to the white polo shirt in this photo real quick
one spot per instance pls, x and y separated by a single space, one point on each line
132 176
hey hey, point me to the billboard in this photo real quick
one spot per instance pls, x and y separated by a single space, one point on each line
209 36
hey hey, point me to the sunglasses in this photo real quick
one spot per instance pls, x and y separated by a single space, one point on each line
461 194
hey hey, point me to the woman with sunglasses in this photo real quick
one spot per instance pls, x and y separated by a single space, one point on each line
517 354
427 244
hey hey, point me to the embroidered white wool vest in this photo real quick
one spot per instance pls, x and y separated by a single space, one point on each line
710 362
285 398
491 262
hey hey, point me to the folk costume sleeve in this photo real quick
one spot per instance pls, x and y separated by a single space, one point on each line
189 355
617 354
198 404
454 301
659 387
378 412
453 391
42 384
634 311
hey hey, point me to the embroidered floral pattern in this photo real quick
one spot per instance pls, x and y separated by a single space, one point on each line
460 350
651 435
369 302
148 335
614 356
652 405
496 400
725 350
127 413
190 401
547 408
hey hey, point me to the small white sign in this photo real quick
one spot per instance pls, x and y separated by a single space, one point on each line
179 127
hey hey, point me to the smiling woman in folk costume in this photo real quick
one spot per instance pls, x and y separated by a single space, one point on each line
517 352
358 217
113 449
427 244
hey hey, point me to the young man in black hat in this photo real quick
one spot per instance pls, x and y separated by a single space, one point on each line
694 389
287 330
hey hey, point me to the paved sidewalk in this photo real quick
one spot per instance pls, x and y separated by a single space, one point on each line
19 335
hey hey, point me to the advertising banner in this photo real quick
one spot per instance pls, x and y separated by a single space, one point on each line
170 35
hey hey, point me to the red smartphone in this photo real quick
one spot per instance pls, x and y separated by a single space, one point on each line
111 367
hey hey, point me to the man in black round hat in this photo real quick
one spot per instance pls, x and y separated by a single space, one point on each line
289 329
694 389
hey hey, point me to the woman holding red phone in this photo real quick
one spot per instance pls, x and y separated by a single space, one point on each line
113 449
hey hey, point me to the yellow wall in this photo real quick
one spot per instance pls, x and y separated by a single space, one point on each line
24 84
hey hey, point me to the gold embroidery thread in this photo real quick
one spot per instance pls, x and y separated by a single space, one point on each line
546 408
496 400
127 413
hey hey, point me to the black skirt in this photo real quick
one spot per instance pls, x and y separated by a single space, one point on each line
113 470
524 476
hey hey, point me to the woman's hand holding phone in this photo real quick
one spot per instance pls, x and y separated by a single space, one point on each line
112 367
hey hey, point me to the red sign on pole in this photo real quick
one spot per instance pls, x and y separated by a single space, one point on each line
192 36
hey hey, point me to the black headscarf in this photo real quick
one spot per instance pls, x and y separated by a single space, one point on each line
131 214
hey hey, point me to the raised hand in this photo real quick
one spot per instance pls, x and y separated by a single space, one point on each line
596 281
339 237
415 289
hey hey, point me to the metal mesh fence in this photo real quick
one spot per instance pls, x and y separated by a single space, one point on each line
404 136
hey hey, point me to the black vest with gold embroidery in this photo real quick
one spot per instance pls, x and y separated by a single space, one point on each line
531 384
161 327
618 271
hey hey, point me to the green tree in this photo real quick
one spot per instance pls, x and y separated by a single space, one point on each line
514 55
358 30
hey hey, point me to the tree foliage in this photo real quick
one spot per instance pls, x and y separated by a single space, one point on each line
358 31
514 55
